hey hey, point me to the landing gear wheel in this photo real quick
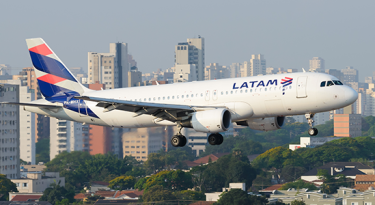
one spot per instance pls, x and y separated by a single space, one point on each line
212 139
313 131
183 141
176 140
220 139
215 139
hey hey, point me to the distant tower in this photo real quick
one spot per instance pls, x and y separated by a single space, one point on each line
350 75
257 65
191 52
110 68
317 65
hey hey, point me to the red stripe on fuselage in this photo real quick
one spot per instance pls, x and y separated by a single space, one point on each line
42 49
51 79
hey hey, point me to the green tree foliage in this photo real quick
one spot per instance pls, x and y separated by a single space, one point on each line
173 180
190 195
42 151
277 158
141 183
230 168
298 202
367 123
240 197
299 184
6 186
332 183
166 160
80 167
122 182
290 173
56 193
157 193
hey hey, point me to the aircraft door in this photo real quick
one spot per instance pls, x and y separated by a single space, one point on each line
207 95
82 108
301 87
214 95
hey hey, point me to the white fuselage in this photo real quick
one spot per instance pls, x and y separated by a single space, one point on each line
247 97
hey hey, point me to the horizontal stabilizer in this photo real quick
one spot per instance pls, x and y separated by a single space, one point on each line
33 105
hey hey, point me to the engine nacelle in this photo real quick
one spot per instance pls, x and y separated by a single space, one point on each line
264 124
211 121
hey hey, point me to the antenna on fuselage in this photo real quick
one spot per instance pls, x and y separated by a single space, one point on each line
303 70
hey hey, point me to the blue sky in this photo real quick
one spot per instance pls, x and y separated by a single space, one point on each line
287 33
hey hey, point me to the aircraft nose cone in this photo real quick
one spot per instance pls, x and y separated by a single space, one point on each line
351 95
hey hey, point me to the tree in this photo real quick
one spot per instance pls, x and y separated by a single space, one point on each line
299 184
122 182
6 186
42 150
331 183
141 183
228 169
172 180
56 193
154 162
240 197
298 202
190 195
290 173
157 193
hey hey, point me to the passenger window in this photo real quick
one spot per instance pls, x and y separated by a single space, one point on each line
222 92
245 91
192 95
265 89
168 97
178 97
149 99
241 91
182 96
154 98
163 98
201 94
323 84
145 99
251 90
173 97
227 92
290 87
187 96
231 92
158 98
329 83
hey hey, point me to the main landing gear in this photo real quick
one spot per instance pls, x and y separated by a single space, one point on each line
178 140
215 139
312 131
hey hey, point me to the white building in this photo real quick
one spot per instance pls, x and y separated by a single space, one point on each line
258 65
235 70
185 73
67 136
215 196
37 182
311 142
9 132
191 52
317 65
215 71
110 68
27 124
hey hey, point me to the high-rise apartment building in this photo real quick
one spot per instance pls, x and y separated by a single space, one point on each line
110 68
67 136
245 69
235 70
141 142
349 75
347 125
317 65
26 123
215 71
258 65
134 77
9 132
184 73
191 52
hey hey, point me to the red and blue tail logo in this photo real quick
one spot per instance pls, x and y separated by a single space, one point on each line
54 79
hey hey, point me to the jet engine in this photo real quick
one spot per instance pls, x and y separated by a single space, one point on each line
264 124
210 121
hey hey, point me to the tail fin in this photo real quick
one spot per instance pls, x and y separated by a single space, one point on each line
54 78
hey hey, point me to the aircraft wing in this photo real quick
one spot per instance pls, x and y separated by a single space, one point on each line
53 108
171 112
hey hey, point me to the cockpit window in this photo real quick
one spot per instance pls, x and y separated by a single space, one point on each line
337 82
323 83
329 83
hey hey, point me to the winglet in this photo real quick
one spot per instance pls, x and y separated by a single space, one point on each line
303 70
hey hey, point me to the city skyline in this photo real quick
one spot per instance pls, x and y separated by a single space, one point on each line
288 34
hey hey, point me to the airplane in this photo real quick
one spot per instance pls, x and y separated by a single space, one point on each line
259 102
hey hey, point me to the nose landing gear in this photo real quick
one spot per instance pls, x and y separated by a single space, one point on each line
312 131
215 139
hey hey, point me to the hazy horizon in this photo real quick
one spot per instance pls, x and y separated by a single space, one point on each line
287 33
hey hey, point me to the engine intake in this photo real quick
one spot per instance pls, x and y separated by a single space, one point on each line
211 121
